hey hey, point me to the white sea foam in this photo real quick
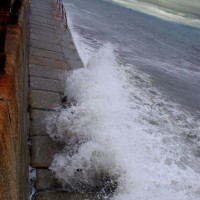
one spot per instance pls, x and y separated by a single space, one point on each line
120 125
100 118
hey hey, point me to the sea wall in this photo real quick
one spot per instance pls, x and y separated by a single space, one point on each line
14 153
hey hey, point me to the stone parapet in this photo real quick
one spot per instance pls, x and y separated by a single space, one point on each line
14 157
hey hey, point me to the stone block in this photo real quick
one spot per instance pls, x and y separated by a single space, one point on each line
46 180
66 196
45 45
42 12
44 100
56 15
43 150
47 23
38 18
44 38
43 32
47 72
46 84
40 27
38 122
38 60
42 6
39 8
46 54
44 19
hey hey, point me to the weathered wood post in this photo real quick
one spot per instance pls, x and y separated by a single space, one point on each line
4 20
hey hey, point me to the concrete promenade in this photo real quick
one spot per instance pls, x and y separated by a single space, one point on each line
52 54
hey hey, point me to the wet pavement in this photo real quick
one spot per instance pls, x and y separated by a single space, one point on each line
52 54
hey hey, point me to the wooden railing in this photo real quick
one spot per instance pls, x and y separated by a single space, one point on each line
9 12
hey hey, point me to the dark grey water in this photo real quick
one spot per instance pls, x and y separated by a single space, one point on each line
169 52
141 77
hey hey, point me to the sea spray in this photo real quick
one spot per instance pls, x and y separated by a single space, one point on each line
119 126
96 126
150 145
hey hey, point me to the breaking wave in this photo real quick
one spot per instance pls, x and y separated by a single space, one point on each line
121 131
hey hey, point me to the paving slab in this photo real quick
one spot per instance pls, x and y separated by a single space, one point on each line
44 19
45 45
39 83
37 60
43 32
47 72
44 3
57 15
46 180
43 37
39 8
40 27
47 22
44 100
46 54
39 11
43 151
37 4
65 196
38 124
48 65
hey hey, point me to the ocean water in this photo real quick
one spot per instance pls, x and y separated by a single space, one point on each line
182 11
135 105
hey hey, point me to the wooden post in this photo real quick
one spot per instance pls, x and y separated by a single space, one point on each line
4 20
